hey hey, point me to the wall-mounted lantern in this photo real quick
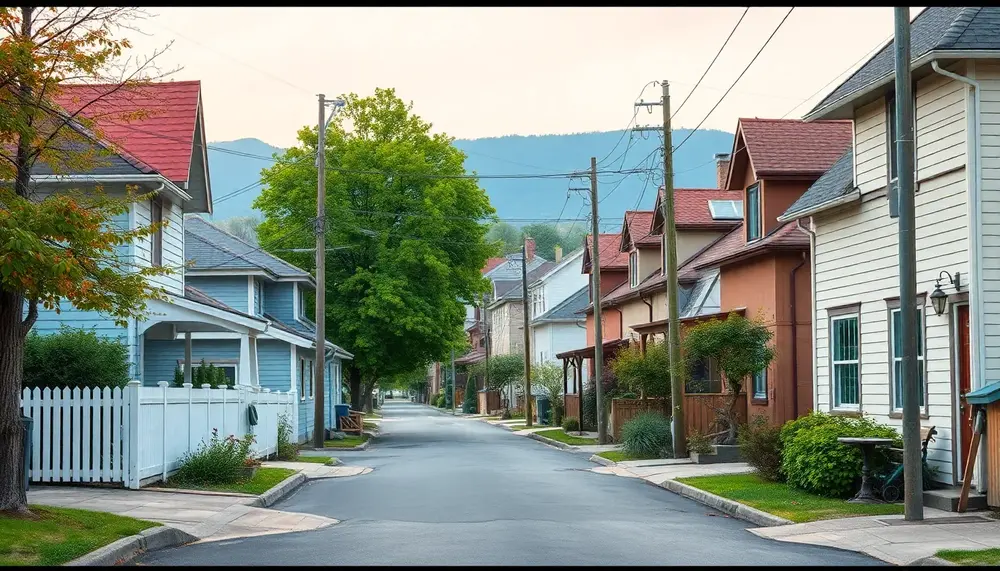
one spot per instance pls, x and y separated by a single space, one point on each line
939 299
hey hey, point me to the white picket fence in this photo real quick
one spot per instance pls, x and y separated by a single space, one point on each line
137 433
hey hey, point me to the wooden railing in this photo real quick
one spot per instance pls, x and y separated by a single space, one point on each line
624 410
355 422
572 404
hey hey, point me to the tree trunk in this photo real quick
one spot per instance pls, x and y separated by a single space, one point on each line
366 390
354 378
13 498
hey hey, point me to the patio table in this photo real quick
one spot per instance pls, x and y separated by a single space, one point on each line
867 445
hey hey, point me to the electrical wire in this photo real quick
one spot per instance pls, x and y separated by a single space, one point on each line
628 127
717 54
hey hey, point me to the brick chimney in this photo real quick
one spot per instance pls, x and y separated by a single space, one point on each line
558 253
529 248
721 169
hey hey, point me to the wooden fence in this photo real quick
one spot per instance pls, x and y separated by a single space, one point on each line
572 403
489 401
699 411
139 433
624 410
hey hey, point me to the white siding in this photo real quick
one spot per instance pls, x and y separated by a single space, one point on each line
988 75
856 255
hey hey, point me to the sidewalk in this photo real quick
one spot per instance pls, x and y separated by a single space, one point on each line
208 516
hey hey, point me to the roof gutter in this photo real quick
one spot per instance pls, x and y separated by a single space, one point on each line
854 194
164 183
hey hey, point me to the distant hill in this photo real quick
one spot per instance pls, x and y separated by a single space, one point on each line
517 198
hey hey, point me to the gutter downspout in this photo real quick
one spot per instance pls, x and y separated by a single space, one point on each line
812 304
975 237
795 340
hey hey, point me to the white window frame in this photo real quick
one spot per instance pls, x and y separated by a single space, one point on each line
895 400
762 375
835 401
633 268
754 188
306 371
737 208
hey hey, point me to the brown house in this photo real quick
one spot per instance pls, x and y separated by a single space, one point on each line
764 264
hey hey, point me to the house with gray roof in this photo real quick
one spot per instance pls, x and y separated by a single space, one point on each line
849 213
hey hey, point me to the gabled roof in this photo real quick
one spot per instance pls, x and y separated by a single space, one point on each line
787 147
516 291
557 267
953 30
492 263
636 230
162 137
208 247
568 310
691 210
788 236
721 247
835 186
612 258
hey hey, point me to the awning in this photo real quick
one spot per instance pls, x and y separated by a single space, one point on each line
660 325
610 348
471 357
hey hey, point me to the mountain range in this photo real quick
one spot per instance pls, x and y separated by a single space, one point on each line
236 165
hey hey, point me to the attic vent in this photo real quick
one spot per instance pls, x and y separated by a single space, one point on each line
726 209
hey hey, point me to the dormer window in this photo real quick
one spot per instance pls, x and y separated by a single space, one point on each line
753 212
633 268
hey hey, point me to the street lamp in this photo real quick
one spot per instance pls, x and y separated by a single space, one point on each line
939 299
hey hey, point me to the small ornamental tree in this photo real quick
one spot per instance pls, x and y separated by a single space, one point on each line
646 374
471 402
504 371
741 347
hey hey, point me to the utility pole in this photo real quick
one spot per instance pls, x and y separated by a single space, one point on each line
453 382
320 356
527 332
486 336
673 313
595 288
912 470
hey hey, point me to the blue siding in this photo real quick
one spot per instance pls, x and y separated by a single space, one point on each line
162 356
258 300
279 302
231 291
306 406
274 365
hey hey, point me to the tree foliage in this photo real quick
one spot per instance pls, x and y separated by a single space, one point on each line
741 347
645 374
64 247
75 358
546 235
243 227
405 228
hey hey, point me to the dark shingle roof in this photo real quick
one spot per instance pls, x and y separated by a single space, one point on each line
208 246
196 295
568 309
835 183
934 29
515 291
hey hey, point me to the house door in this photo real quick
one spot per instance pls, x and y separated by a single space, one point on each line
964 385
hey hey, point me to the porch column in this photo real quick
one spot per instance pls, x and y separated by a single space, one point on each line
254 374
187 357
642 342
246 363
565 371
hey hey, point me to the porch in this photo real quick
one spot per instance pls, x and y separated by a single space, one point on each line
573 401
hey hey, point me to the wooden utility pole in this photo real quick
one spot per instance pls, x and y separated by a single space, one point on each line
913 494
486 339
595 288
319 359
673 312
527 332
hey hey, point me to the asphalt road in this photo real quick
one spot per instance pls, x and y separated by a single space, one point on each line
452 491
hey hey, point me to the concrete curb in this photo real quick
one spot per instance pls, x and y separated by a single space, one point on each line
724 505
128 548
932 560
603 461
550 442
287 486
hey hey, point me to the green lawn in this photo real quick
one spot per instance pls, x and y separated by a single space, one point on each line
783 500
370 425
312 459
373 415
347 442
560 435
492 418
971 557
616 456
262 481
60 535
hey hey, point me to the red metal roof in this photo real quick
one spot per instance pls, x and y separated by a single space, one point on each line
154 122
639 225
691 209
612 257
792 146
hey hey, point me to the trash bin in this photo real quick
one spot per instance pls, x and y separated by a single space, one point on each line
543 409
26 448
341 411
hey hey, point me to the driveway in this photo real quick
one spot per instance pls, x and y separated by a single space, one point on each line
448 490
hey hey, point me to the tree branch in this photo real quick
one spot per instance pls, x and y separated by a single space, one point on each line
29 320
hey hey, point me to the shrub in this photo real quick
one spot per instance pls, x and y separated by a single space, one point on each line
643 372
646 436
286 449
760 446
220 461
442 401
471 403
699 443
74 358
813 460
571 424
178 377
589 420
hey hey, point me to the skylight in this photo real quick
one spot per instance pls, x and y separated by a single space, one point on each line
726 209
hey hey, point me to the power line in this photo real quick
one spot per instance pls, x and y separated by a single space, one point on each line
769 38
629 126
724 44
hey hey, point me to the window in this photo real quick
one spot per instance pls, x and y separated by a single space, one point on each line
156 217
704 378
258 300
726 209
760 384
305 377
896 352
537 302
633 268
753 212
844 353
228 366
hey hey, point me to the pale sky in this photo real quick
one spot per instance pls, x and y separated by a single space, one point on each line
484 72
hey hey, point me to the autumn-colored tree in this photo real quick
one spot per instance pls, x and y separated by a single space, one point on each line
62 248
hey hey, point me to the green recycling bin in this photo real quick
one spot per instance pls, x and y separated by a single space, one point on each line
543 409
28 422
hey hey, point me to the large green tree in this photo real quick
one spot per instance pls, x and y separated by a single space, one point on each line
405 231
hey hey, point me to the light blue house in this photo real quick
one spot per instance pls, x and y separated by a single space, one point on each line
234 306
